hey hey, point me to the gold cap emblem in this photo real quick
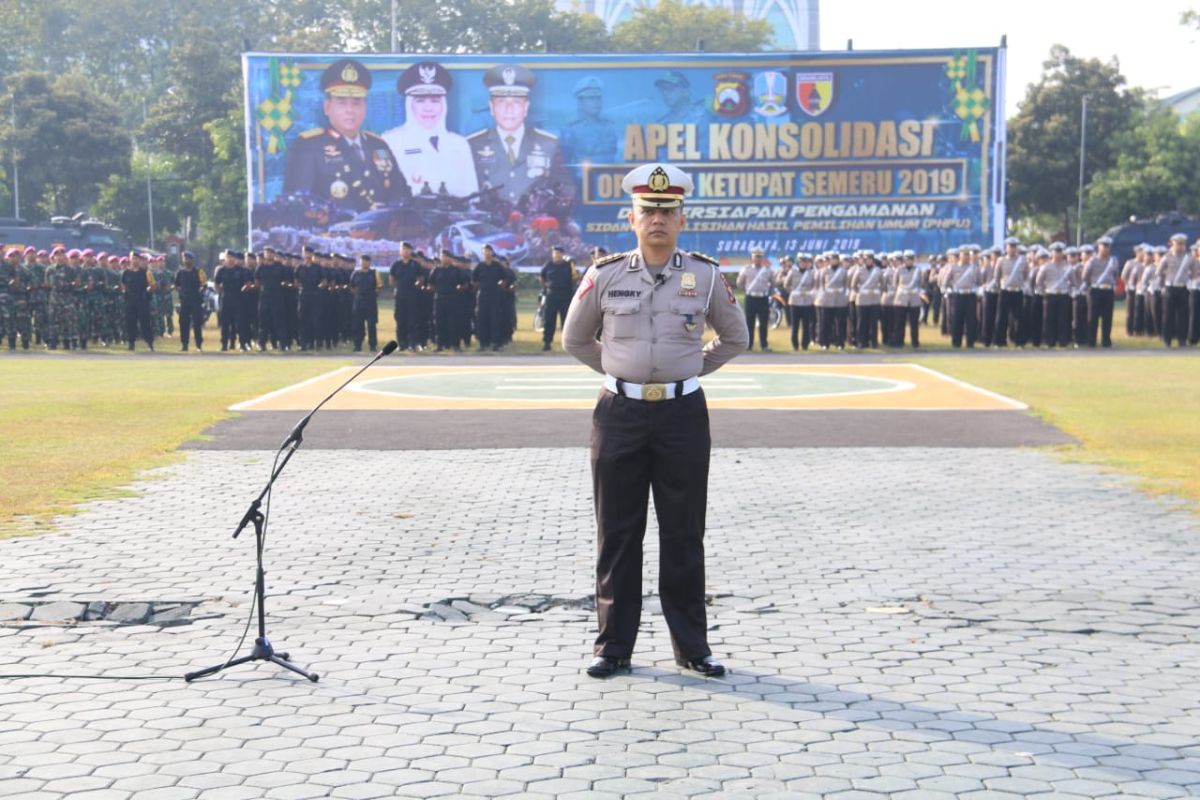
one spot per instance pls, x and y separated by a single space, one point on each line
349 74
658 182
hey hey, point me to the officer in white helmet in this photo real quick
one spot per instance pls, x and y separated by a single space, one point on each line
651 306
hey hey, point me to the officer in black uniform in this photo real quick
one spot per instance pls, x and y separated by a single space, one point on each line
508 305
228 279
365 284
425 332
343 163
558 282
190 282
404 276
269 277
251 292
137 283
447 280
291 328
309 278
490 318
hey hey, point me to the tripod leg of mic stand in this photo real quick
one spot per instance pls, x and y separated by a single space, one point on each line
283 662
200 673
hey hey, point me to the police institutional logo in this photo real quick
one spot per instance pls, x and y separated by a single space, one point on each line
659 182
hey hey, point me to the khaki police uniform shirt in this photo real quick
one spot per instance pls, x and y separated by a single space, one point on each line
1010 273
1054 278
962 278
1100 273
906 287
1176 271
801 286
651 331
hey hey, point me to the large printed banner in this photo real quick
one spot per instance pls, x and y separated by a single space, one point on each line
789 151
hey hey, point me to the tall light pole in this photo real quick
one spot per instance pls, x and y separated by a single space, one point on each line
394 48
16 170
1082 159
149 189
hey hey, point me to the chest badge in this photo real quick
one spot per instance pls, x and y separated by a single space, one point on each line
689 323
687 285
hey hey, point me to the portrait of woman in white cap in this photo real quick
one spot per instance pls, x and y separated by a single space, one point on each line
432 158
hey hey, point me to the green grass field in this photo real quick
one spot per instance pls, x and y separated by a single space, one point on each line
1137 414
72 430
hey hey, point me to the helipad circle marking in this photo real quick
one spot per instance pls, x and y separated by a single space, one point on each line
502 387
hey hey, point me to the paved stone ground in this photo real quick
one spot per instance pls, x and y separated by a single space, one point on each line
899 622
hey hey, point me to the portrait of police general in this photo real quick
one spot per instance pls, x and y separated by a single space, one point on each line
342 163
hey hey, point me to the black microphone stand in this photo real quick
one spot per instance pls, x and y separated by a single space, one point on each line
263 649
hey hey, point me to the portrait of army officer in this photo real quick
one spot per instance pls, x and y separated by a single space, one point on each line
510 154
342 163
650 427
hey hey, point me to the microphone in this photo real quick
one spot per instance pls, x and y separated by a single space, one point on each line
296 436
660 279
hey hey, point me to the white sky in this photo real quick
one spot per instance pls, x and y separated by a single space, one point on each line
1153 49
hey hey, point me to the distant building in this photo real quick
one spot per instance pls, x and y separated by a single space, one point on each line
796 22
1184 103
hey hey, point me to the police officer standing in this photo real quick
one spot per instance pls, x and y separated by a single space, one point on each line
1053 282
269 277
365 284
651 431
404 276
490 318
309 277
756 280
137 284
228 279
1100 278
447 281
189 282
1176 269
558 281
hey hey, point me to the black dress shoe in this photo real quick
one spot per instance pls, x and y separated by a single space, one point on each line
708 666
607 666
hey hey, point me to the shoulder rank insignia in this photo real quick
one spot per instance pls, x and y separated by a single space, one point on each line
704 258
311 132
547 134
609 259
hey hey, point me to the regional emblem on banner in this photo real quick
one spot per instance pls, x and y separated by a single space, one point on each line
770 94
731 94
814 92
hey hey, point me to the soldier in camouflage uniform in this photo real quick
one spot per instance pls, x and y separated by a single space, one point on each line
60 328
114 327
36 261
22 291
8 285
163 300
79 317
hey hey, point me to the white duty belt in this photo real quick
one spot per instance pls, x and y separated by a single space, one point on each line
651 392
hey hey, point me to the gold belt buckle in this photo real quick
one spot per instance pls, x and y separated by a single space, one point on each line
653 392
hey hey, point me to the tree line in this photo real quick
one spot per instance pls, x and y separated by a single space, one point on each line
99 98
